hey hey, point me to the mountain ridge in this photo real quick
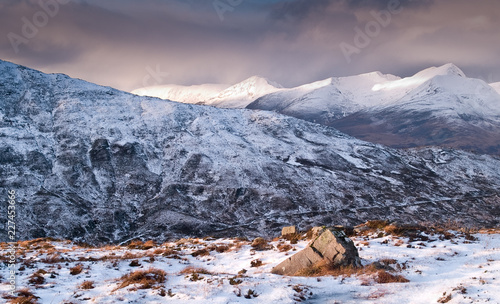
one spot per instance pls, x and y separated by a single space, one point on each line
95 164
387 109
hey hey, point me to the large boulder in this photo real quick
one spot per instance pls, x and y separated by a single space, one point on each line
331 247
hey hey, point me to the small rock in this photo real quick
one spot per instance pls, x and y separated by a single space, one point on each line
288 230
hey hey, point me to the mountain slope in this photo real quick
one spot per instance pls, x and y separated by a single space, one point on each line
96 164
186 94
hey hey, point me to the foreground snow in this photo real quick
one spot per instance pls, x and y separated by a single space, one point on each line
468 270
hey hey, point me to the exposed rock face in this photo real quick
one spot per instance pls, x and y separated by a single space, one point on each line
91 163
332 247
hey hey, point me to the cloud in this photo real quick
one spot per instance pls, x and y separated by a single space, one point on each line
116 42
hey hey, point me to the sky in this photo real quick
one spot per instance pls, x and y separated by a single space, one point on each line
130 44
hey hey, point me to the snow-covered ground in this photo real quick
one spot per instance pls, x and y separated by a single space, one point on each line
468 270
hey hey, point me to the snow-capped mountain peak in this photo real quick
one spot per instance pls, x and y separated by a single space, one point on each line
446 69
496 86
181 93
243 93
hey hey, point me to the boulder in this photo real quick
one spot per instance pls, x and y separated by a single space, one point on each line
301 260
316 231
330 247
288 230
337 248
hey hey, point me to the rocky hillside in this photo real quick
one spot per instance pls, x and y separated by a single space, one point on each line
96 164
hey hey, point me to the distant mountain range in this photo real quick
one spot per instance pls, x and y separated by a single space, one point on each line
438 106
95 164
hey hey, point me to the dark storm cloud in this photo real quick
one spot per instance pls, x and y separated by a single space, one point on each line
297 10
119 42
381 4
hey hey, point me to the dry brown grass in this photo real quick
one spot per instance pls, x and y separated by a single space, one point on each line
376 224
148 245
445 298
256 263
222 248
76 270
384 277
380 276
138 244
24 296
86 285
53 259
191 269
237 244
293 237
130 256
284 247
261 244
134 263
36 278
145 279
489 231
201 252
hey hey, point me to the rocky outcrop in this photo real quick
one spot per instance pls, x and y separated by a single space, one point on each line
333 248
94 164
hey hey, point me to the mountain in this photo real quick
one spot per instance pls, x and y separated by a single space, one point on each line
329 99
91 163
446 110
186 94
438 106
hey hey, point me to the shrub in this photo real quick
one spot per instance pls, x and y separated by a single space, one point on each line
144 278
76 270
87 285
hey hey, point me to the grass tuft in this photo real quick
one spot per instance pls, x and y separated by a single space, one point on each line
144 278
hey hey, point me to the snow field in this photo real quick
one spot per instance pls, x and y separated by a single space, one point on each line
220 271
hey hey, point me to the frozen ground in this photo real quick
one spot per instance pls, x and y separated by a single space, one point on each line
467 267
